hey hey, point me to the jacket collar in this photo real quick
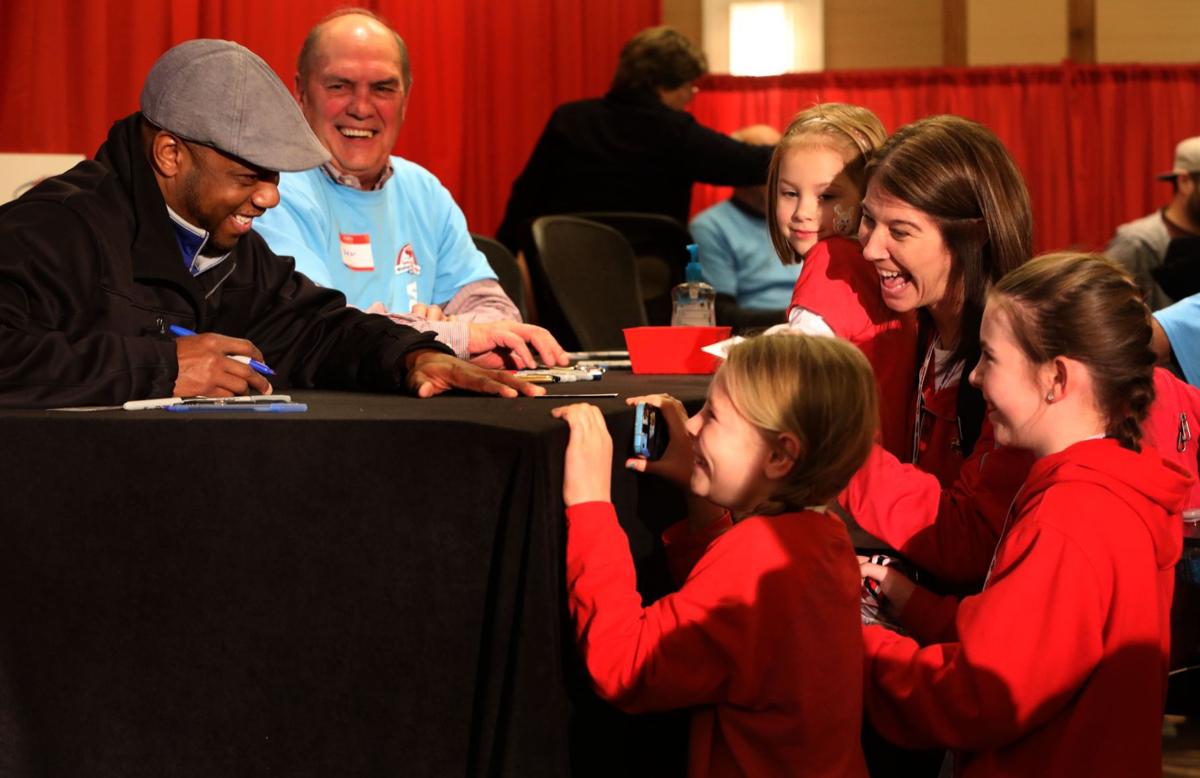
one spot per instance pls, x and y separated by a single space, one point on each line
155 253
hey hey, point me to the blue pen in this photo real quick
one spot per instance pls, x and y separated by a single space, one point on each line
181 332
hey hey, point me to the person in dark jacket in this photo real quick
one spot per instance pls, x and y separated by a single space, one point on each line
98 264
635 149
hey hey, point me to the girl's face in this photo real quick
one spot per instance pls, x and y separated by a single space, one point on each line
815 199
1014 388
906 246
730 455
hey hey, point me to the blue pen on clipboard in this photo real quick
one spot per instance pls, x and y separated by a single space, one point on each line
183 332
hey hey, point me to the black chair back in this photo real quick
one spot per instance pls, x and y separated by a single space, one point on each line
505 267
660 247
592 275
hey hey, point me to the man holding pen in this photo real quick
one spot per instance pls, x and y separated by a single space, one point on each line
100 265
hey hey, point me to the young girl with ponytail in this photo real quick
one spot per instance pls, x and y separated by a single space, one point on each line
1058 667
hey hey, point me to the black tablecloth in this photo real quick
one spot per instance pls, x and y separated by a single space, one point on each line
372 587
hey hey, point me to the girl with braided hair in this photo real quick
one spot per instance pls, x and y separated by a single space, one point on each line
1058 667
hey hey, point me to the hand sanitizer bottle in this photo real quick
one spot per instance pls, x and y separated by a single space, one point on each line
693 303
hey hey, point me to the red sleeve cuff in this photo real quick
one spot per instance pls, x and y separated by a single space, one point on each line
929 617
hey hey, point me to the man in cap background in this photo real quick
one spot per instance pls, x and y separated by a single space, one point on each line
382 229
97 264
1141 245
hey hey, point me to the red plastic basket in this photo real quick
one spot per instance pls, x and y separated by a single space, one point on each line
673 349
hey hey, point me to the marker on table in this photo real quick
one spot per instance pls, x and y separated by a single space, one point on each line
183 332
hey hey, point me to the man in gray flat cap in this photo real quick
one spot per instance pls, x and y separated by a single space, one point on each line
99 264
1141 245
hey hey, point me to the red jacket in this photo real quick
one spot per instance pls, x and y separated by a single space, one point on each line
843 289
763 639
1059 666
952 532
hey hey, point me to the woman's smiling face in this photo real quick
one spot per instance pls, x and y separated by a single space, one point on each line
906 246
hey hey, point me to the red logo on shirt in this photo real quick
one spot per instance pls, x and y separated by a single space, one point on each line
406 261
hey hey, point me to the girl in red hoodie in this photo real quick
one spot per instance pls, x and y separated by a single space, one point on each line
763 639
814 188
1058 667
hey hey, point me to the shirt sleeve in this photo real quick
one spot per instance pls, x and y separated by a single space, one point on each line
680 651
950 532
1020 658
50 276
684 546
715 158
458 261
482 301
1181 322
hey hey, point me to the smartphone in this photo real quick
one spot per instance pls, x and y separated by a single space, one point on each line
649 432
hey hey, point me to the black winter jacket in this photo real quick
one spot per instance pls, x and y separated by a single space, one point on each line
91 277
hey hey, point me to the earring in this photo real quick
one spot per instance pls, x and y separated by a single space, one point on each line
1050 396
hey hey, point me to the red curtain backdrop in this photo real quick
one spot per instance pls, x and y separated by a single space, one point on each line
1089 139
486 75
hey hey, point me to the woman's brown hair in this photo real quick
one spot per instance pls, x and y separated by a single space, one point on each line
850 130
819 389
960 174
1084 306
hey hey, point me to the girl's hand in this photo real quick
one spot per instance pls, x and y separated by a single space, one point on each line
587 469
894 586
677 462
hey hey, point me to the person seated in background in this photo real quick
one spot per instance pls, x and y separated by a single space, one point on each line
1176 339
635 149
1141 245
379 228
753 287
99 263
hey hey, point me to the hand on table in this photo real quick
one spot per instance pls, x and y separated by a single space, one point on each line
895 587
433 372
498 344
587 469
206 367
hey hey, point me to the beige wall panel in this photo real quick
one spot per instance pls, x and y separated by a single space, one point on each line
1147 30
685 16
883 33
1016 32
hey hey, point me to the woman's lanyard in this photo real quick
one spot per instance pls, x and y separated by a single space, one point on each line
919 408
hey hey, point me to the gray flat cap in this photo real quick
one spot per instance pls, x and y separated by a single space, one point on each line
223 95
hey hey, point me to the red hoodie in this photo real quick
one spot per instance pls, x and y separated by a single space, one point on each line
763 639
952 532
843 289
1059 666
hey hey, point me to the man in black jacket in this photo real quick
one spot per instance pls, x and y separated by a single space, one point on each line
97 265
635 149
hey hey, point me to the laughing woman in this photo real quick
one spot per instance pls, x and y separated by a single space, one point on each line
945 216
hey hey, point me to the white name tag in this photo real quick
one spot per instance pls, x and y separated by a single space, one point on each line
356 252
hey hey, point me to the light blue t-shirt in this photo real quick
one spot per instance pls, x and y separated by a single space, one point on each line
738 259
1181 322
403 244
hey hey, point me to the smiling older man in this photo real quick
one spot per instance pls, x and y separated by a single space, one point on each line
99 264
379 228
